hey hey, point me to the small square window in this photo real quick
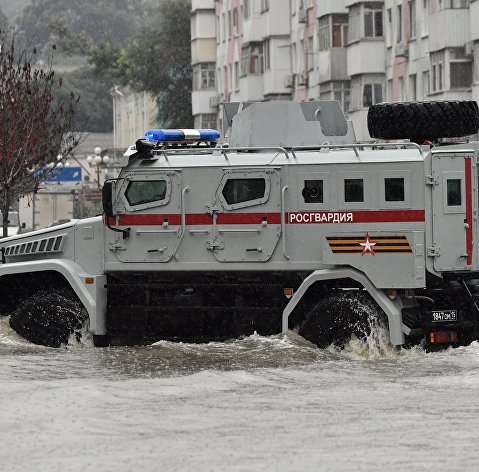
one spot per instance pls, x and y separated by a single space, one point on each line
454 192
353 190
394 189
313 191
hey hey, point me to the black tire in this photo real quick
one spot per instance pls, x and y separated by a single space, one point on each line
420 121
337 317
48 319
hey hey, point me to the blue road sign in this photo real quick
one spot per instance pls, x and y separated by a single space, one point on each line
65 174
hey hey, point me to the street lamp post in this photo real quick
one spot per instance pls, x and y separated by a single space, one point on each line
98 161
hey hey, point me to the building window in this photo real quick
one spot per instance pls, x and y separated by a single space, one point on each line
313 191
236 84
267 54
412 19
337 90
372 94
340 31
224 27
230 29
399 24
425 18
246 9
373 23
204 76
354 20
264 5
218 33
252 60
460 69
324 33
353 190
394 189
461 74
413 87
235 22
437 69
446 4
426 87
389 27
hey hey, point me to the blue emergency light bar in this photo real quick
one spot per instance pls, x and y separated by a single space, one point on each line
181 135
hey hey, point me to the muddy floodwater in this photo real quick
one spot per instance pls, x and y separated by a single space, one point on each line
256 404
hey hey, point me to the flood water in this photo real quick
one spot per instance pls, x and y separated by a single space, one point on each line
257 404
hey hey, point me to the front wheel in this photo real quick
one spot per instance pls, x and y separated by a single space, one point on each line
48 319
339 316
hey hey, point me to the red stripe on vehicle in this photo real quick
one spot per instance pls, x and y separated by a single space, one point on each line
468 176
302 217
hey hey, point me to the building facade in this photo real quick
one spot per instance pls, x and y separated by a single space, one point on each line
358 52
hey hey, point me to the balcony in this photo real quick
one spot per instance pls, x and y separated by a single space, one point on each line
333 65
448 28
366 57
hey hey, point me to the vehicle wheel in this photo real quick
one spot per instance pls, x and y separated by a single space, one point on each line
419 121
48 318
337 317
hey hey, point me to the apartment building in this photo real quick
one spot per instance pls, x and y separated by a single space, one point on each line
203 60
358 52
355 51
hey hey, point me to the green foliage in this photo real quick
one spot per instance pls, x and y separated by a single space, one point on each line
158 61
94 111
98 21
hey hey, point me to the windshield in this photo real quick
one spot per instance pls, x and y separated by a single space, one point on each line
13 219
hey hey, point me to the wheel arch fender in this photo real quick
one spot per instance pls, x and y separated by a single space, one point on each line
92 294
391 308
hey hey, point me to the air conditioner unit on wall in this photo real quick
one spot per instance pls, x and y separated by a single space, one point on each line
214 102
401 50
289 81
303 79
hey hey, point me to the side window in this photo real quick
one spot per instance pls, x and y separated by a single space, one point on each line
394 189
353 190
243 190
313 191
140 192
454 192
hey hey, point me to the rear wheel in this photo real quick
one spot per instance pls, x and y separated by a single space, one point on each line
336 318
420 121
49 319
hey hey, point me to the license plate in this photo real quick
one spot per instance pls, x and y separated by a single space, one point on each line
441 316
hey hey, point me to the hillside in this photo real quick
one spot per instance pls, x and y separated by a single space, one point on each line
13 8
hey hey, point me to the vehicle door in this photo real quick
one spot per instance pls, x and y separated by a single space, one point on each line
246 215
151 206
452 205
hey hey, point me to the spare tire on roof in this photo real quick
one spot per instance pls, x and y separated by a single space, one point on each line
419 121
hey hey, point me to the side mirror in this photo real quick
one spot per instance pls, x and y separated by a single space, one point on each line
24 225
107 197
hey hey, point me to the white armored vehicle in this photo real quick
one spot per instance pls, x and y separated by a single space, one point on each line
294 224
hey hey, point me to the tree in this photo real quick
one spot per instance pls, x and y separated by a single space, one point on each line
158 61
35 128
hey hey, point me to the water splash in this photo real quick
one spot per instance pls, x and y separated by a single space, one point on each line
8 337
81 338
